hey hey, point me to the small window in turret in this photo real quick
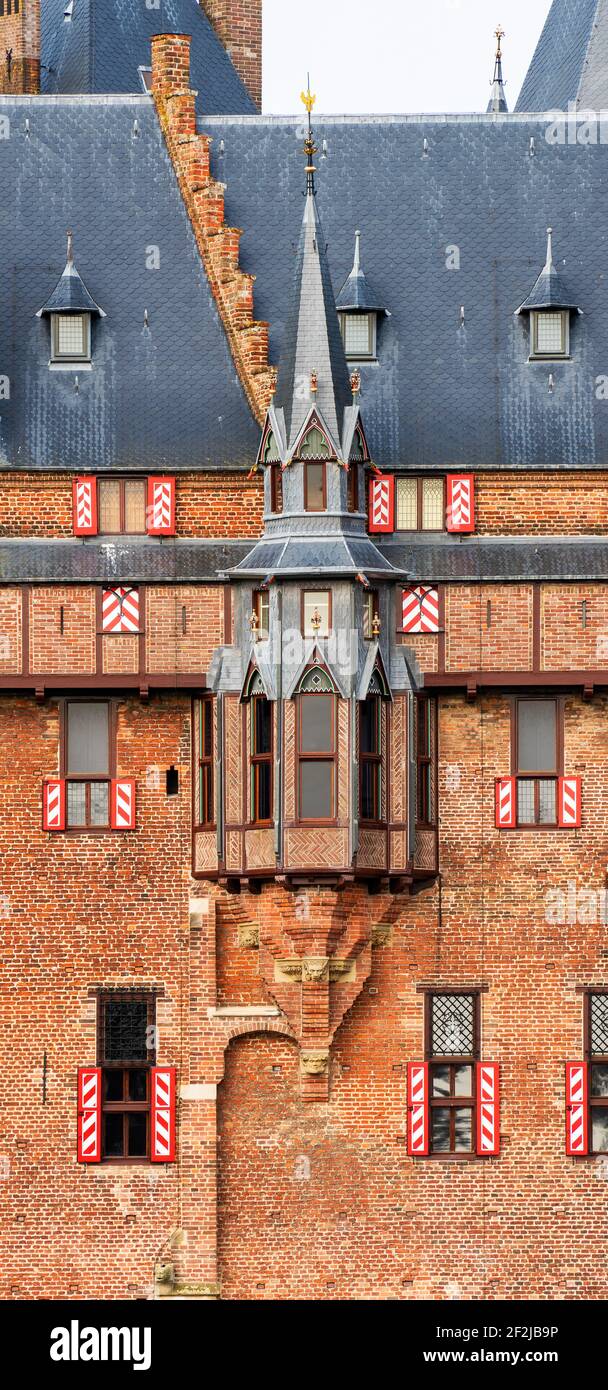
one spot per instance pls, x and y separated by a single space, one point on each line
316 613
315 499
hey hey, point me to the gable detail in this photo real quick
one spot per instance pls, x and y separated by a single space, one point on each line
203 196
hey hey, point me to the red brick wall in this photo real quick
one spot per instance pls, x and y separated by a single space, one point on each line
207 505
238 24
541 504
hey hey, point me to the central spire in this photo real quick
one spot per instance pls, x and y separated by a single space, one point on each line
498 100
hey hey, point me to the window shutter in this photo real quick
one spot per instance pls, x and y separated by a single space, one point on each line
162 1117
382 504
460 511
569 803
488 1113
122 804
418 1109
161 507
420 610
505 803
120 610
53 804
89 1114
84 506
577 1115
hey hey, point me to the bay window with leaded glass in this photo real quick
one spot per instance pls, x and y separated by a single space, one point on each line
126 1053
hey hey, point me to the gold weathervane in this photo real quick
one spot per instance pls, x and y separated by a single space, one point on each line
500 35
310 149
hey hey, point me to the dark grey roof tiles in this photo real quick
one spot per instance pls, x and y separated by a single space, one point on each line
356 292
549 292
571 59
105 43
99 561
467 561
70 295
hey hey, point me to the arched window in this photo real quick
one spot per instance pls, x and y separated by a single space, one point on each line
370 755
313 450
314 445
316 747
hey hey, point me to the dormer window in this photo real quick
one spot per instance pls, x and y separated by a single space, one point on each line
359 308
70 337
359 336
549 333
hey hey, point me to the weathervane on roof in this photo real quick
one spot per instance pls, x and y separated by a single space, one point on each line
310 149
500 34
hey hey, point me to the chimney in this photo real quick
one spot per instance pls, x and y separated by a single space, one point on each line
20 47
238 23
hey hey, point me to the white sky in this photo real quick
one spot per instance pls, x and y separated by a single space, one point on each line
370 56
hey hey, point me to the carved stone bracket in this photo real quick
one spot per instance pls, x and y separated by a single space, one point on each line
382 934
315 969
249 934
314 1061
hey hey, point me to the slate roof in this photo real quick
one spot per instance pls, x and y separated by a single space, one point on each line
70 295
102 47
164 398
333 555
357 293
571 59
422 561
549 291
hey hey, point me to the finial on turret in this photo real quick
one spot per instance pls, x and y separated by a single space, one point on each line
498 100
70 251
310 149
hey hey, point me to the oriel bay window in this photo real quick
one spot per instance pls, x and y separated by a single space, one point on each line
88 761
206 812
452 1047
538 745
261 711
370 758
316 748
126 1054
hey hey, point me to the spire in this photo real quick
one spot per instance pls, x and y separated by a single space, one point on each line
312 367
498 100
356 292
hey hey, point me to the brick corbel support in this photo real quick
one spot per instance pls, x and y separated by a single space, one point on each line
203 196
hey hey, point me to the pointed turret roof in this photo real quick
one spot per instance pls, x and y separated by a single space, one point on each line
498 100
570 63
70 295
549 292
356 292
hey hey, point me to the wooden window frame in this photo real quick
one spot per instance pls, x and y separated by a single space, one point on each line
125 1106
424 762
259 760
87 777
536 354
311 636
257 602
307 757
137 478
597 1059
538 777
371 759
453 1102
420 480
371 601
352 488
65 358
316 463
206 767
372 334
276 488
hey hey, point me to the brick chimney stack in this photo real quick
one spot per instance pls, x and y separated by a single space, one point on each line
20 47
238 23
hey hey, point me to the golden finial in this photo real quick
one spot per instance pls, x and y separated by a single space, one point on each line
355 382
308 99
376 625
314 382
310 149
254 623
500 35
315 621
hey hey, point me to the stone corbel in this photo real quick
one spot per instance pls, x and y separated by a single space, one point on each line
314 1061
249 934
315 970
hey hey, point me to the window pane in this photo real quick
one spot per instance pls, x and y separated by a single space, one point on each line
99 803
452 1025
262 726
407 504
547 802
108 498
370 791
536 735
71 338
599 1080
261 603
316 602
138 1084
316 791
463 1081
315 475
549 332
432 504
525 802
463 1131
113 1085
440 1129
441 1081
77 793
599 1129
357 334
599 1024
88 738
206 786
125 1022
316 723
263 776
135 505
112 1136
369 734
138 1134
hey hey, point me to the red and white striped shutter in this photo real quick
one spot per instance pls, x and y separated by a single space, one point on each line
122 803
382 504
53 804
460 510
84 504
161 507
577 1112
89 1114
569 803
418 1109
505 803
420 611
120 610
488 1112
162 1115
